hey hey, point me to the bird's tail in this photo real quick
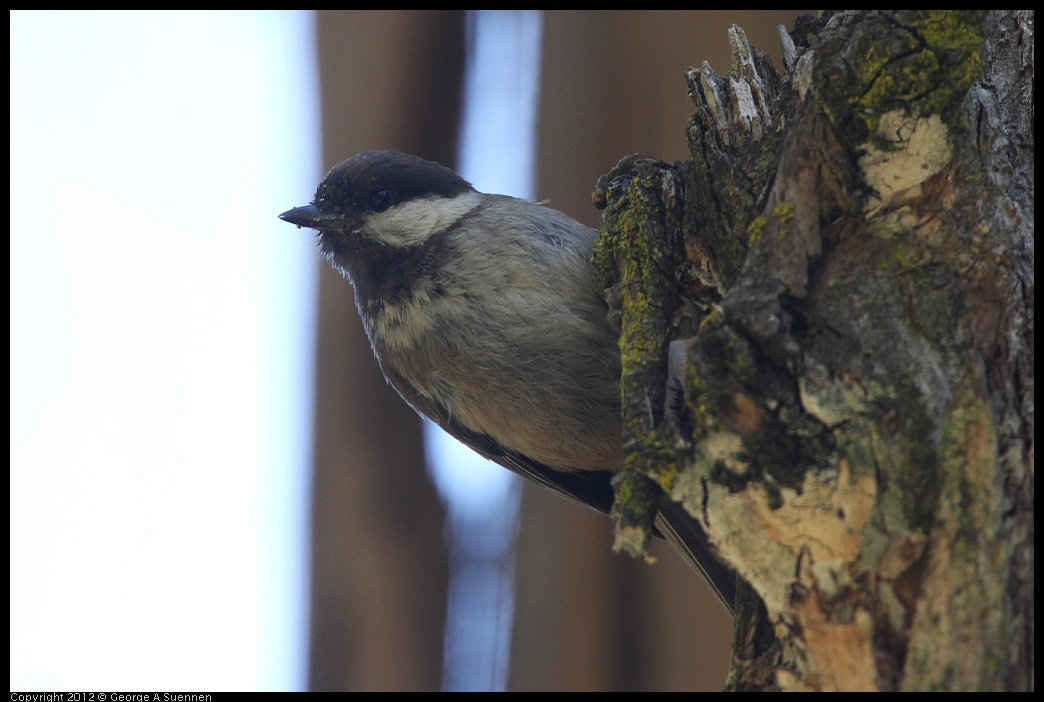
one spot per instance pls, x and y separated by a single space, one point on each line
684 532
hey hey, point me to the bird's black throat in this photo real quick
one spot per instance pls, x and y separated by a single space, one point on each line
385 275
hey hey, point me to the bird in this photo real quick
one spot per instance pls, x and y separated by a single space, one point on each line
485 316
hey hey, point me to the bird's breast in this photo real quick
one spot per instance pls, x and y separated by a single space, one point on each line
540 380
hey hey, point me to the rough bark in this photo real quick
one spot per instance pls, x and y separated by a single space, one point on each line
849 251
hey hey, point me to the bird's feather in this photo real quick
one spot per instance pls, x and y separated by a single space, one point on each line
589 488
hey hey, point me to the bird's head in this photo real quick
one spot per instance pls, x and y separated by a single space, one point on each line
383 204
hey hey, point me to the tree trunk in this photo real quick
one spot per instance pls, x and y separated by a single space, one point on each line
379 566
849 255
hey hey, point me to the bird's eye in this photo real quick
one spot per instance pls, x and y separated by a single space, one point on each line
380 200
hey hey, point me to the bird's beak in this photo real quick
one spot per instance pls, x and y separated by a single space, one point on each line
309 216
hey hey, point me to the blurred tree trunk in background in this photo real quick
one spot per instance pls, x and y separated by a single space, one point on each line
388 80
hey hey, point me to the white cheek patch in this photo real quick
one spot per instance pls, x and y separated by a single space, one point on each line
411 223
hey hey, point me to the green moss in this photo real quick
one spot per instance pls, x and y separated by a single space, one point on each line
626 252
635 264
755 229
954 42
634 511
629 256
784 212
653 448
923 66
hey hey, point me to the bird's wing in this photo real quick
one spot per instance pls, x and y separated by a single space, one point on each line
589 488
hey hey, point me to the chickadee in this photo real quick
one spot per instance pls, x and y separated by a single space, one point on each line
484 314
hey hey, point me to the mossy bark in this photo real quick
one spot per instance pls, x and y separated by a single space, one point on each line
849 253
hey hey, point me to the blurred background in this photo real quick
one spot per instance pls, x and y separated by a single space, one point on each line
212 486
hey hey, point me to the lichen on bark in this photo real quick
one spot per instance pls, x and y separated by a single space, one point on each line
852 246
637 244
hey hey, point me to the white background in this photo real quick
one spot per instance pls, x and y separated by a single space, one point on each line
161 339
